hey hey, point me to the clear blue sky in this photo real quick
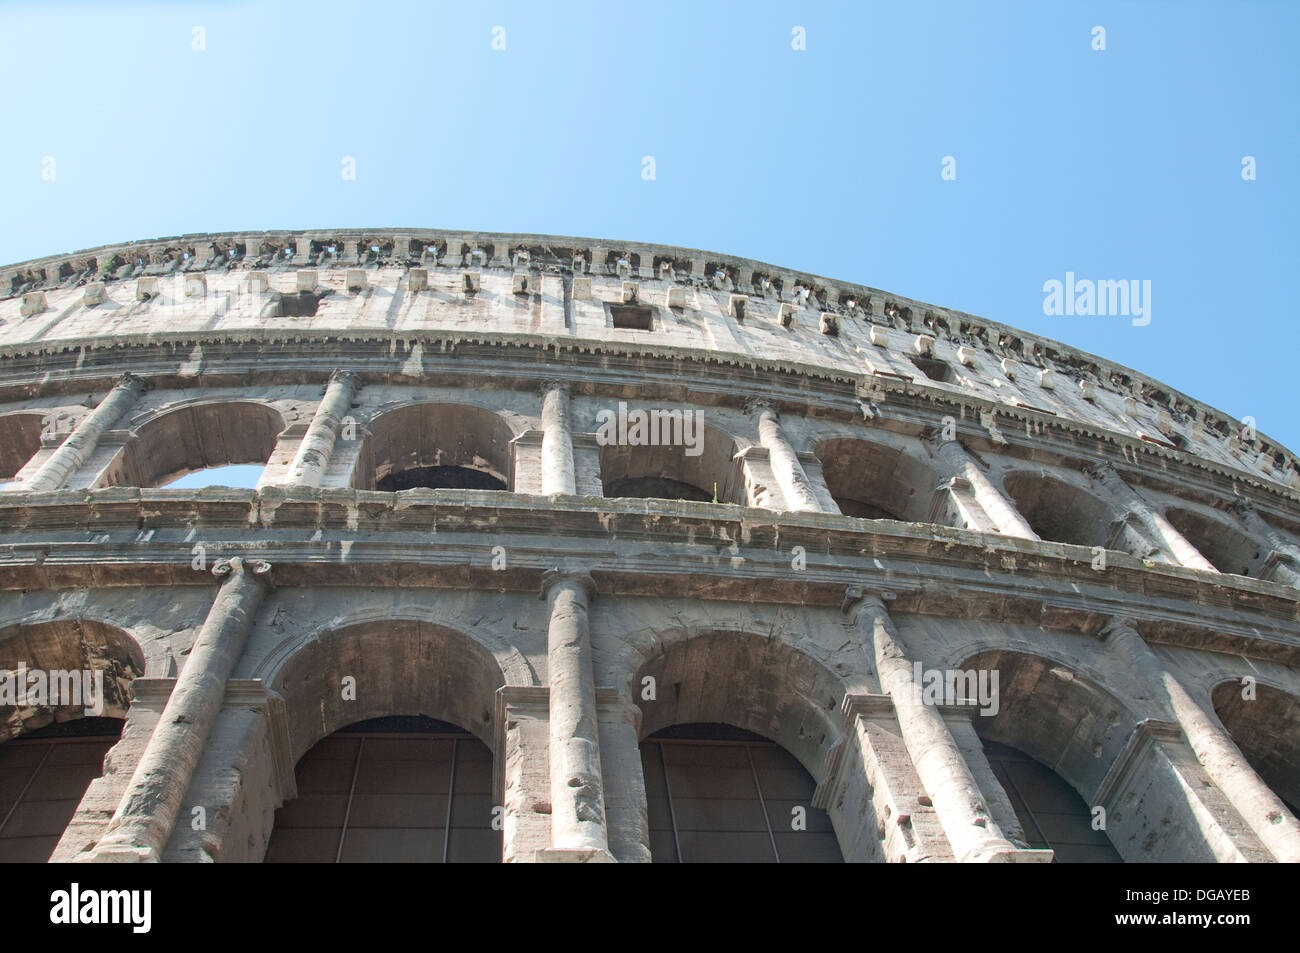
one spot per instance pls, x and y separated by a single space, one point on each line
1122 164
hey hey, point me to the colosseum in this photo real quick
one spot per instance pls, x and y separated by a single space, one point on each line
566 550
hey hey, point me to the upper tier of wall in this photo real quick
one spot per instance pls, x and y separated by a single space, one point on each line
408 284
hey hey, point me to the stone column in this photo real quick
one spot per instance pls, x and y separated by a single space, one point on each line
960 465
1152 520
1263 810
313 456
77 448
557 442
966 819
786 468
1284 560
578 829
144 819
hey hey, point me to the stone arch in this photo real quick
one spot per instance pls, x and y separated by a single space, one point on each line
672 470
436 445
400 667
1054 713
708 685
875 481
196 437
20 440
514 665
1226 547
753 682
69 645
1051 743
1058 511
1267 731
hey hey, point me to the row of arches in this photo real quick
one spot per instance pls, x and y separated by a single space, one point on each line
731 762
460 446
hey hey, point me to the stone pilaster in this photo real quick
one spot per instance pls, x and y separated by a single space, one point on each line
626 810
784 461
1262 810
143 822
557 442
578 830
967 821
1174 547
967 480
313 456
81 443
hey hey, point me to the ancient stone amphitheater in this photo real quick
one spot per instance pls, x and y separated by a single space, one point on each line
578 550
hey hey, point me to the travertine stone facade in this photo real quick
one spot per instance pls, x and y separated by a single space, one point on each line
851 486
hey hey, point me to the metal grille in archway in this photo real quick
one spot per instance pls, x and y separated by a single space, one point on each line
1048 809
717 793
408 790
43 777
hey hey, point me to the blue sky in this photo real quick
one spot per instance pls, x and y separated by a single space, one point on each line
1117 164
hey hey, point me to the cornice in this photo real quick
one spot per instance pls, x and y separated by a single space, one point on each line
444 539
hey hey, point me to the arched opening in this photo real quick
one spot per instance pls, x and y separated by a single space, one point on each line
1051 813
437 446
701 469
398 789
1060 512
1228 549
20 439
1050 744
195 438
394 718
1265 724
873 481
43 777
237 475
735 740
721 794
64 694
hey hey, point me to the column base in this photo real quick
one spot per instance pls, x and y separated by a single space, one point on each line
119 854
1009 855
572 855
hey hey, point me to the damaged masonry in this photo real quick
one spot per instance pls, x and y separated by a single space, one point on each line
563 550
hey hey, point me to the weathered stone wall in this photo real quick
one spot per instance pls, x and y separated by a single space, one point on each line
1038 513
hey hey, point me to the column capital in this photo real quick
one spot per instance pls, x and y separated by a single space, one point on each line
552 383
571 577
346 376
1119 625
945 448
134 381
858 596
758 405
239 566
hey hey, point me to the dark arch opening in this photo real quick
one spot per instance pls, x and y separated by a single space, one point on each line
43 776
442 478
717 793
657 488
201 437
1228 550
437 446
705 472
872 481
1060 512
1050 744
20 440
401 789
1267 730
1051 813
